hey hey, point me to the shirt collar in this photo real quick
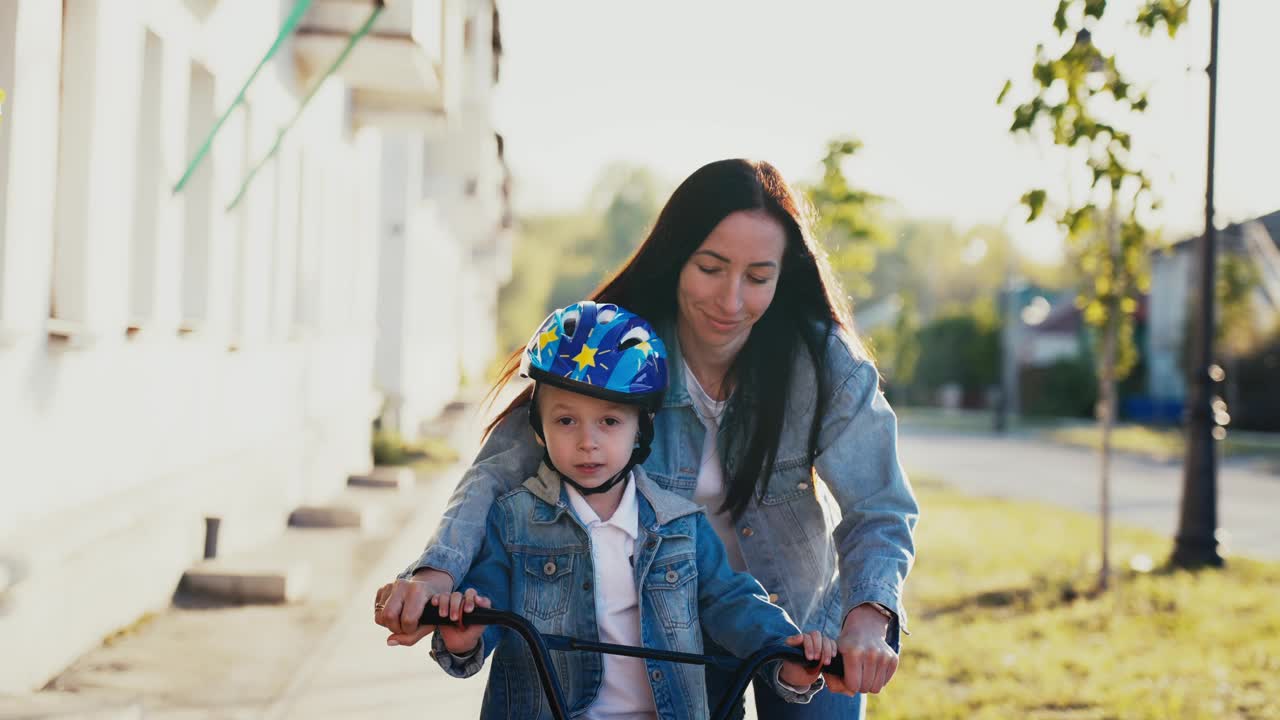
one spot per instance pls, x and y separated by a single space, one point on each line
625 518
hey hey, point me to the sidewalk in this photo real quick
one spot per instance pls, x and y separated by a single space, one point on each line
353 674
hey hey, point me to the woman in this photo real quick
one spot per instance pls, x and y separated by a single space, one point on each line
771 391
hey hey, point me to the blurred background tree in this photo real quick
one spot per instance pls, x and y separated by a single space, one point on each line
847 221
1079 99
562 257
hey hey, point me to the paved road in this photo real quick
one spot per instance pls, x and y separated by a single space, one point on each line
1145 493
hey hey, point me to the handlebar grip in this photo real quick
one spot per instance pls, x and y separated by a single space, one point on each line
480 616
835 667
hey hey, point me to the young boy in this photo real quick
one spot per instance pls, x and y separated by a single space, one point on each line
591 548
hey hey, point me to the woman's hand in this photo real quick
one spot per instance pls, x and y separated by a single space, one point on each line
816 647
460 638
869 662
398 606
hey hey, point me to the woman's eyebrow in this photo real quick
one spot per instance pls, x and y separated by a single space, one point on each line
723 259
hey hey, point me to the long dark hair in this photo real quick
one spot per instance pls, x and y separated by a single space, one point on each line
807 306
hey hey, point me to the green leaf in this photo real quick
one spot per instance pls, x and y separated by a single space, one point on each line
1034 200
1044 73
1095 8
1060 17
1004 92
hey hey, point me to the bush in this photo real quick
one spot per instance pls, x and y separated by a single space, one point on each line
389 448
1257 391
1067 388
958 348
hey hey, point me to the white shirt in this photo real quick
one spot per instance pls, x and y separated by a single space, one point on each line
710 490
625 693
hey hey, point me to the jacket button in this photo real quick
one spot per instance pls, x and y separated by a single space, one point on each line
748 532
773 597
802 486
672 576
651 545
549 568
656 675
586 585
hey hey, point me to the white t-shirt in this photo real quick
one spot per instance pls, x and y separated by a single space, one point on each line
710 490
625 693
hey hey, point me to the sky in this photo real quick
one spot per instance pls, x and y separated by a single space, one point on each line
673 85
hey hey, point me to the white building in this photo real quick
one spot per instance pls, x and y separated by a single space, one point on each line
165 358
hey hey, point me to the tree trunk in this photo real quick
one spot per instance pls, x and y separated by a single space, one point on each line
1107 397
1106 418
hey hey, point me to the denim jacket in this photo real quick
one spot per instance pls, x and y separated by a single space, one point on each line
819 548
536 559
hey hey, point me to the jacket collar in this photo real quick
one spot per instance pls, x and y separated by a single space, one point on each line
655 504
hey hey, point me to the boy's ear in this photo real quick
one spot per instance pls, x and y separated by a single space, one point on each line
538 437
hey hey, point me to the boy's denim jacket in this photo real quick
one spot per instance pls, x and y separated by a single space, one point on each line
819 549
536 560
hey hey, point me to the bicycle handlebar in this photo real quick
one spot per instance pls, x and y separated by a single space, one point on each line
540 646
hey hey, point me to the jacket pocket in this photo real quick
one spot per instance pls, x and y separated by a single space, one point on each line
791 478
548 581
672 587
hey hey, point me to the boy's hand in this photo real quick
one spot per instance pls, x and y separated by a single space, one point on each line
460 638
816 647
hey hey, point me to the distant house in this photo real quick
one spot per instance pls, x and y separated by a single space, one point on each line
1050 331
1174 286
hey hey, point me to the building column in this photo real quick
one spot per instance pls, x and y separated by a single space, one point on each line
156 280
101 82
32 30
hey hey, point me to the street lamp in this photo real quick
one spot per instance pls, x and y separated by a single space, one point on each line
1196 544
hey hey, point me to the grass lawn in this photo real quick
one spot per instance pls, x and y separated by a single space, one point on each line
1167 443
1005 624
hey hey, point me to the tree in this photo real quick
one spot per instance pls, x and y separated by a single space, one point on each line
563 257
847 223
1075 97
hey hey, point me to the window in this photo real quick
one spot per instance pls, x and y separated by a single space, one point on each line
198 203
149 191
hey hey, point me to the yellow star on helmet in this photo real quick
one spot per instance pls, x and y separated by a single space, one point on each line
546 337
585 357
645 347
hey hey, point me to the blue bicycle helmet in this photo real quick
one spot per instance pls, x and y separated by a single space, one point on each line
599 350
603 351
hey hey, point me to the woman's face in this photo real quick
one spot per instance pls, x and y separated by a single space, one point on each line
729 281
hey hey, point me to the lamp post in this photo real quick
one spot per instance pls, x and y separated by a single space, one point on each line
1197 544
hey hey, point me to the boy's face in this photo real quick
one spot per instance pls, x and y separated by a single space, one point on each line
589 439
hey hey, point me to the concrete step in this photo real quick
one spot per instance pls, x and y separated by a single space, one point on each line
246 580
336 516
385 477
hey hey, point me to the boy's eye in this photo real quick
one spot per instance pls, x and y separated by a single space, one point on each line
611 421
564 421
